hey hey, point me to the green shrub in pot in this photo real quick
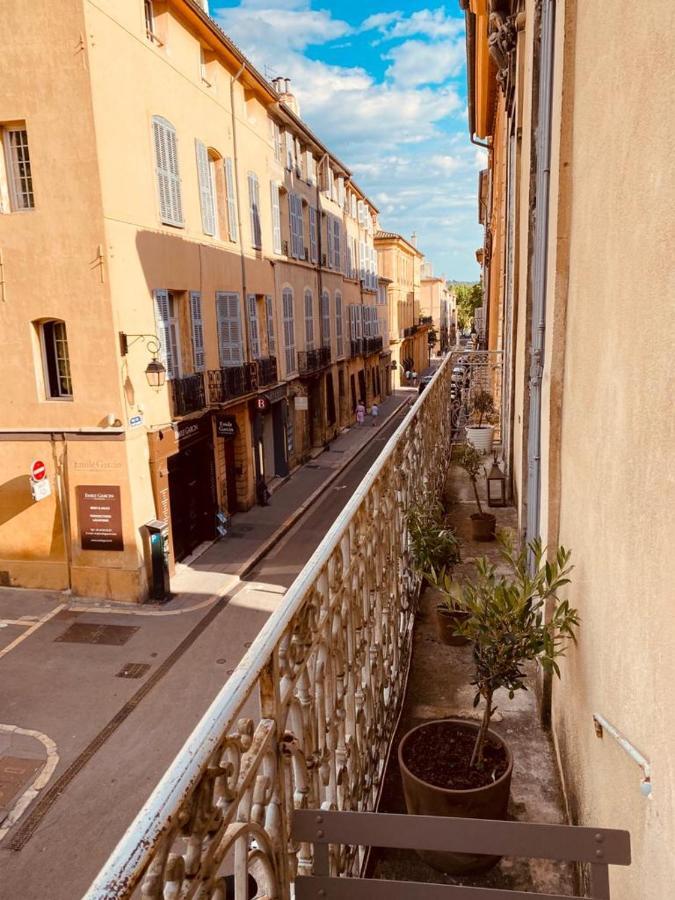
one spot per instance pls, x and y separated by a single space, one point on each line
482 523
433 546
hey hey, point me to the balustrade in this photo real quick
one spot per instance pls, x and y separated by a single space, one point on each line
310 361
326 676
187 394
232 381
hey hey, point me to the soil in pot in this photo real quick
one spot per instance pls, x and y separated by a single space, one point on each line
483 526
434 760
447 621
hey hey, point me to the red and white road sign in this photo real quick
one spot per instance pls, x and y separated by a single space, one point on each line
38 470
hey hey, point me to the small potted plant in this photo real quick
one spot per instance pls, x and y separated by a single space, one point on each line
450 613
482 523
454 767
479 434
434 546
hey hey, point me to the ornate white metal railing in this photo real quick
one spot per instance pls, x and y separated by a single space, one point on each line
327 674
474 371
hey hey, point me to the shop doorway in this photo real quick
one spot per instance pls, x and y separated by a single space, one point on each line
192 492
230 477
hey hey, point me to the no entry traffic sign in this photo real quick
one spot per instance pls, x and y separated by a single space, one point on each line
38 470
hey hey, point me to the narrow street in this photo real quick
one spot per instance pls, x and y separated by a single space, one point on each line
115 694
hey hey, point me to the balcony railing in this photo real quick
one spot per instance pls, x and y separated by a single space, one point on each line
307 717
372 345
426 320
410 331
231 382
267 371
356 345
310 361
187 394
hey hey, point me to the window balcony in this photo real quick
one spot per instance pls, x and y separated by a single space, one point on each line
293 752
231 382
426 320
267 371
311 361
372 345
410 331
187 394
356 345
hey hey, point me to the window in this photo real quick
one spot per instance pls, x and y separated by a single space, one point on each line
254 208
290 150
207 188
338 324
269 314
329 186
56 360
231 201
166 320
362 260
297 235
253 335
325 319
230 345
337 228
197 331
341 191
298 158
166 169
289 330
276 217
313 243
204 66
329 240
353 208
366 322
17 166
309 321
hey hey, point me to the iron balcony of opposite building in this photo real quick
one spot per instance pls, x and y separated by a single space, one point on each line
188 394
372 345
267 371
311 361
410 331
356 346
230 382
426 320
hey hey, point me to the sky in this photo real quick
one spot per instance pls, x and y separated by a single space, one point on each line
384 87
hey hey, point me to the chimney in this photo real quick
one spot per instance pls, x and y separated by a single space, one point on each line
283 88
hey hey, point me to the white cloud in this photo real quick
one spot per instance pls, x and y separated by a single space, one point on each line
432 23
420 62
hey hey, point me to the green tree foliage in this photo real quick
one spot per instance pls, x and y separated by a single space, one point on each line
469 297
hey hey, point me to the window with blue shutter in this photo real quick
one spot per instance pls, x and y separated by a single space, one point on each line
207 196
269 313
325 319
231 200
253 335
254 208
197 331
167 332
230 344
289 330
166 169
338 324
309 321
276 217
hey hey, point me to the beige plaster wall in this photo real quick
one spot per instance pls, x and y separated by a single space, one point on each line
617 493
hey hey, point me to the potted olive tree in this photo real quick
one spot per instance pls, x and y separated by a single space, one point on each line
479 433
482 523
450 613
453 767
435 551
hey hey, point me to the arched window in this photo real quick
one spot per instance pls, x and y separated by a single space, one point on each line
309 320
56 359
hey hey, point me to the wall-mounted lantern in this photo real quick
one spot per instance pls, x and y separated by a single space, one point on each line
496 485
155 371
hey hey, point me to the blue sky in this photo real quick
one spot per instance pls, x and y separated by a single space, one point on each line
384 86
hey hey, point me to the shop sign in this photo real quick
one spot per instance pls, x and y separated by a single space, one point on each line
226 427
135 421
276 394
191 430
99 512
301 403
262 404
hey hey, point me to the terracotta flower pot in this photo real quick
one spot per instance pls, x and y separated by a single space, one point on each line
425 799
446 622
483 526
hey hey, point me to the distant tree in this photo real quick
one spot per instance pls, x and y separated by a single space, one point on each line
469 297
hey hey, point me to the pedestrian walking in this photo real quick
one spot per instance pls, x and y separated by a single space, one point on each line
414 377
374 412
360 412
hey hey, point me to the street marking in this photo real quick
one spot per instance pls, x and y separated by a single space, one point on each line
45 773
33 628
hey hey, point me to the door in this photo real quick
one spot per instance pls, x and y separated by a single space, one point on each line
269 468
230 477
192 498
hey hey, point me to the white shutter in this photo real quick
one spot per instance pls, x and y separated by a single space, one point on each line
269 312
300 226
325 319
254 209
313 247
337 258
197 330
362 260
309 321
276 136
352 323
357 316
341 192
289 330
338 324
290 149
329 240
276 217
167 332
231 202
254 337
366 321
229 329
206 197
309 165
166 168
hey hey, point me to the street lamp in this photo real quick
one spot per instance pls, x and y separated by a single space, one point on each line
155 372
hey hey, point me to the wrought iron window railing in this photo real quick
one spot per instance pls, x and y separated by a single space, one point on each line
426 320
356 346
187 394
372 344
410 331
232 381
307 717
267 371
313 360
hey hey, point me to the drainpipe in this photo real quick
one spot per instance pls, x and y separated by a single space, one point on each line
237 183
539 265
62 492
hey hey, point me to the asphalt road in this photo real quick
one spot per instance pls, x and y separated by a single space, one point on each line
116 736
